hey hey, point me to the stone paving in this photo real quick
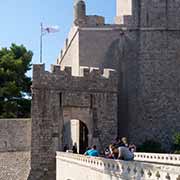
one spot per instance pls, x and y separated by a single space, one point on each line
14 165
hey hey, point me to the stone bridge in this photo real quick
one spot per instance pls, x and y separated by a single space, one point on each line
146 166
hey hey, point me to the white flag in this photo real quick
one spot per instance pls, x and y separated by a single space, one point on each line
50 29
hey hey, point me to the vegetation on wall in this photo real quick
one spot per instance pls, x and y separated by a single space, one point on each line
14 84
176 143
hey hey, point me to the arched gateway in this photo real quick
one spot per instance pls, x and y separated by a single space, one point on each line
72 110
75 133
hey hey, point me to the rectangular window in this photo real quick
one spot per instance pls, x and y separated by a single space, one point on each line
91 101
60 99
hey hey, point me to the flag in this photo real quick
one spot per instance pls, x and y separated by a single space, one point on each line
44 30
49 29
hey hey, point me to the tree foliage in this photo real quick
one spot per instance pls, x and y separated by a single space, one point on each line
14 84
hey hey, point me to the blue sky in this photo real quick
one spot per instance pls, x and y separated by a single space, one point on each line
20 23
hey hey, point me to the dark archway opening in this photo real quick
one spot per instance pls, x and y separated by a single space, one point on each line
83 137
75 134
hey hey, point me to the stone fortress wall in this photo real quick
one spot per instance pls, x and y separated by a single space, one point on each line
154 109
58 98
143 46
15 135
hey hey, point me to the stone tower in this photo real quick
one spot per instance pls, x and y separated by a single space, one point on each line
79 11
143 46
151 70
70 110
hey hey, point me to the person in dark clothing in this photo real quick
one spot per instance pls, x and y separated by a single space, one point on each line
65 148
118 142
74 149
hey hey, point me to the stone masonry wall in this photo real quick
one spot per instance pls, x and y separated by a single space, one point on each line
157 87
154 14
94 45
156 105
59 97
147 59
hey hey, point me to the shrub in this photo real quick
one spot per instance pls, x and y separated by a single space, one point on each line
176 152
176 143
150 145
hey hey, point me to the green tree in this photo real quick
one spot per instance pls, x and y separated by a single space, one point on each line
14 84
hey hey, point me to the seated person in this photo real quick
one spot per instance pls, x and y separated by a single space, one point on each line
124 141
113 152
92 152
106 152
125 154
132 147
74 149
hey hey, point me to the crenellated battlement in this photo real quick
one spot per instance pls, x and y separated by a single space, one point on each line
90 78
84 71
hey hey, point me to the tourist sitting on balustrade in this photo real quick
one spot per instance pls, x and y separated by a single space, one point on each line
124 142
125 154
131 146
118 142
113 152
121 150
92 152
106 152
125 151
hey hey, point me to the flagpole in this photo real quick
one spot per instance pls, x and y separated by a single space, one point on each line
42 33
41 43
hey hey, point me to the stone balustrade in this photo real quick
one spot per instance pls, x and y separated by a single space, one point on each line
74 167
158 158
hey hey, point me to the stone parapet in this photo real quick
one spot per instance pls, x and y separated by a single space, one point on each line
101 168
91 79
158 158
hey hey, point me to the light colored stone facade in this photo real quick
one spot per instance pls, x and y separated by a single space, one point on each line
123 8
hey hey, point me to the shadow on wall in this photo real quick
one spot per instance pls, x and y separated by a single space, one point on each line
117 52
122 55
